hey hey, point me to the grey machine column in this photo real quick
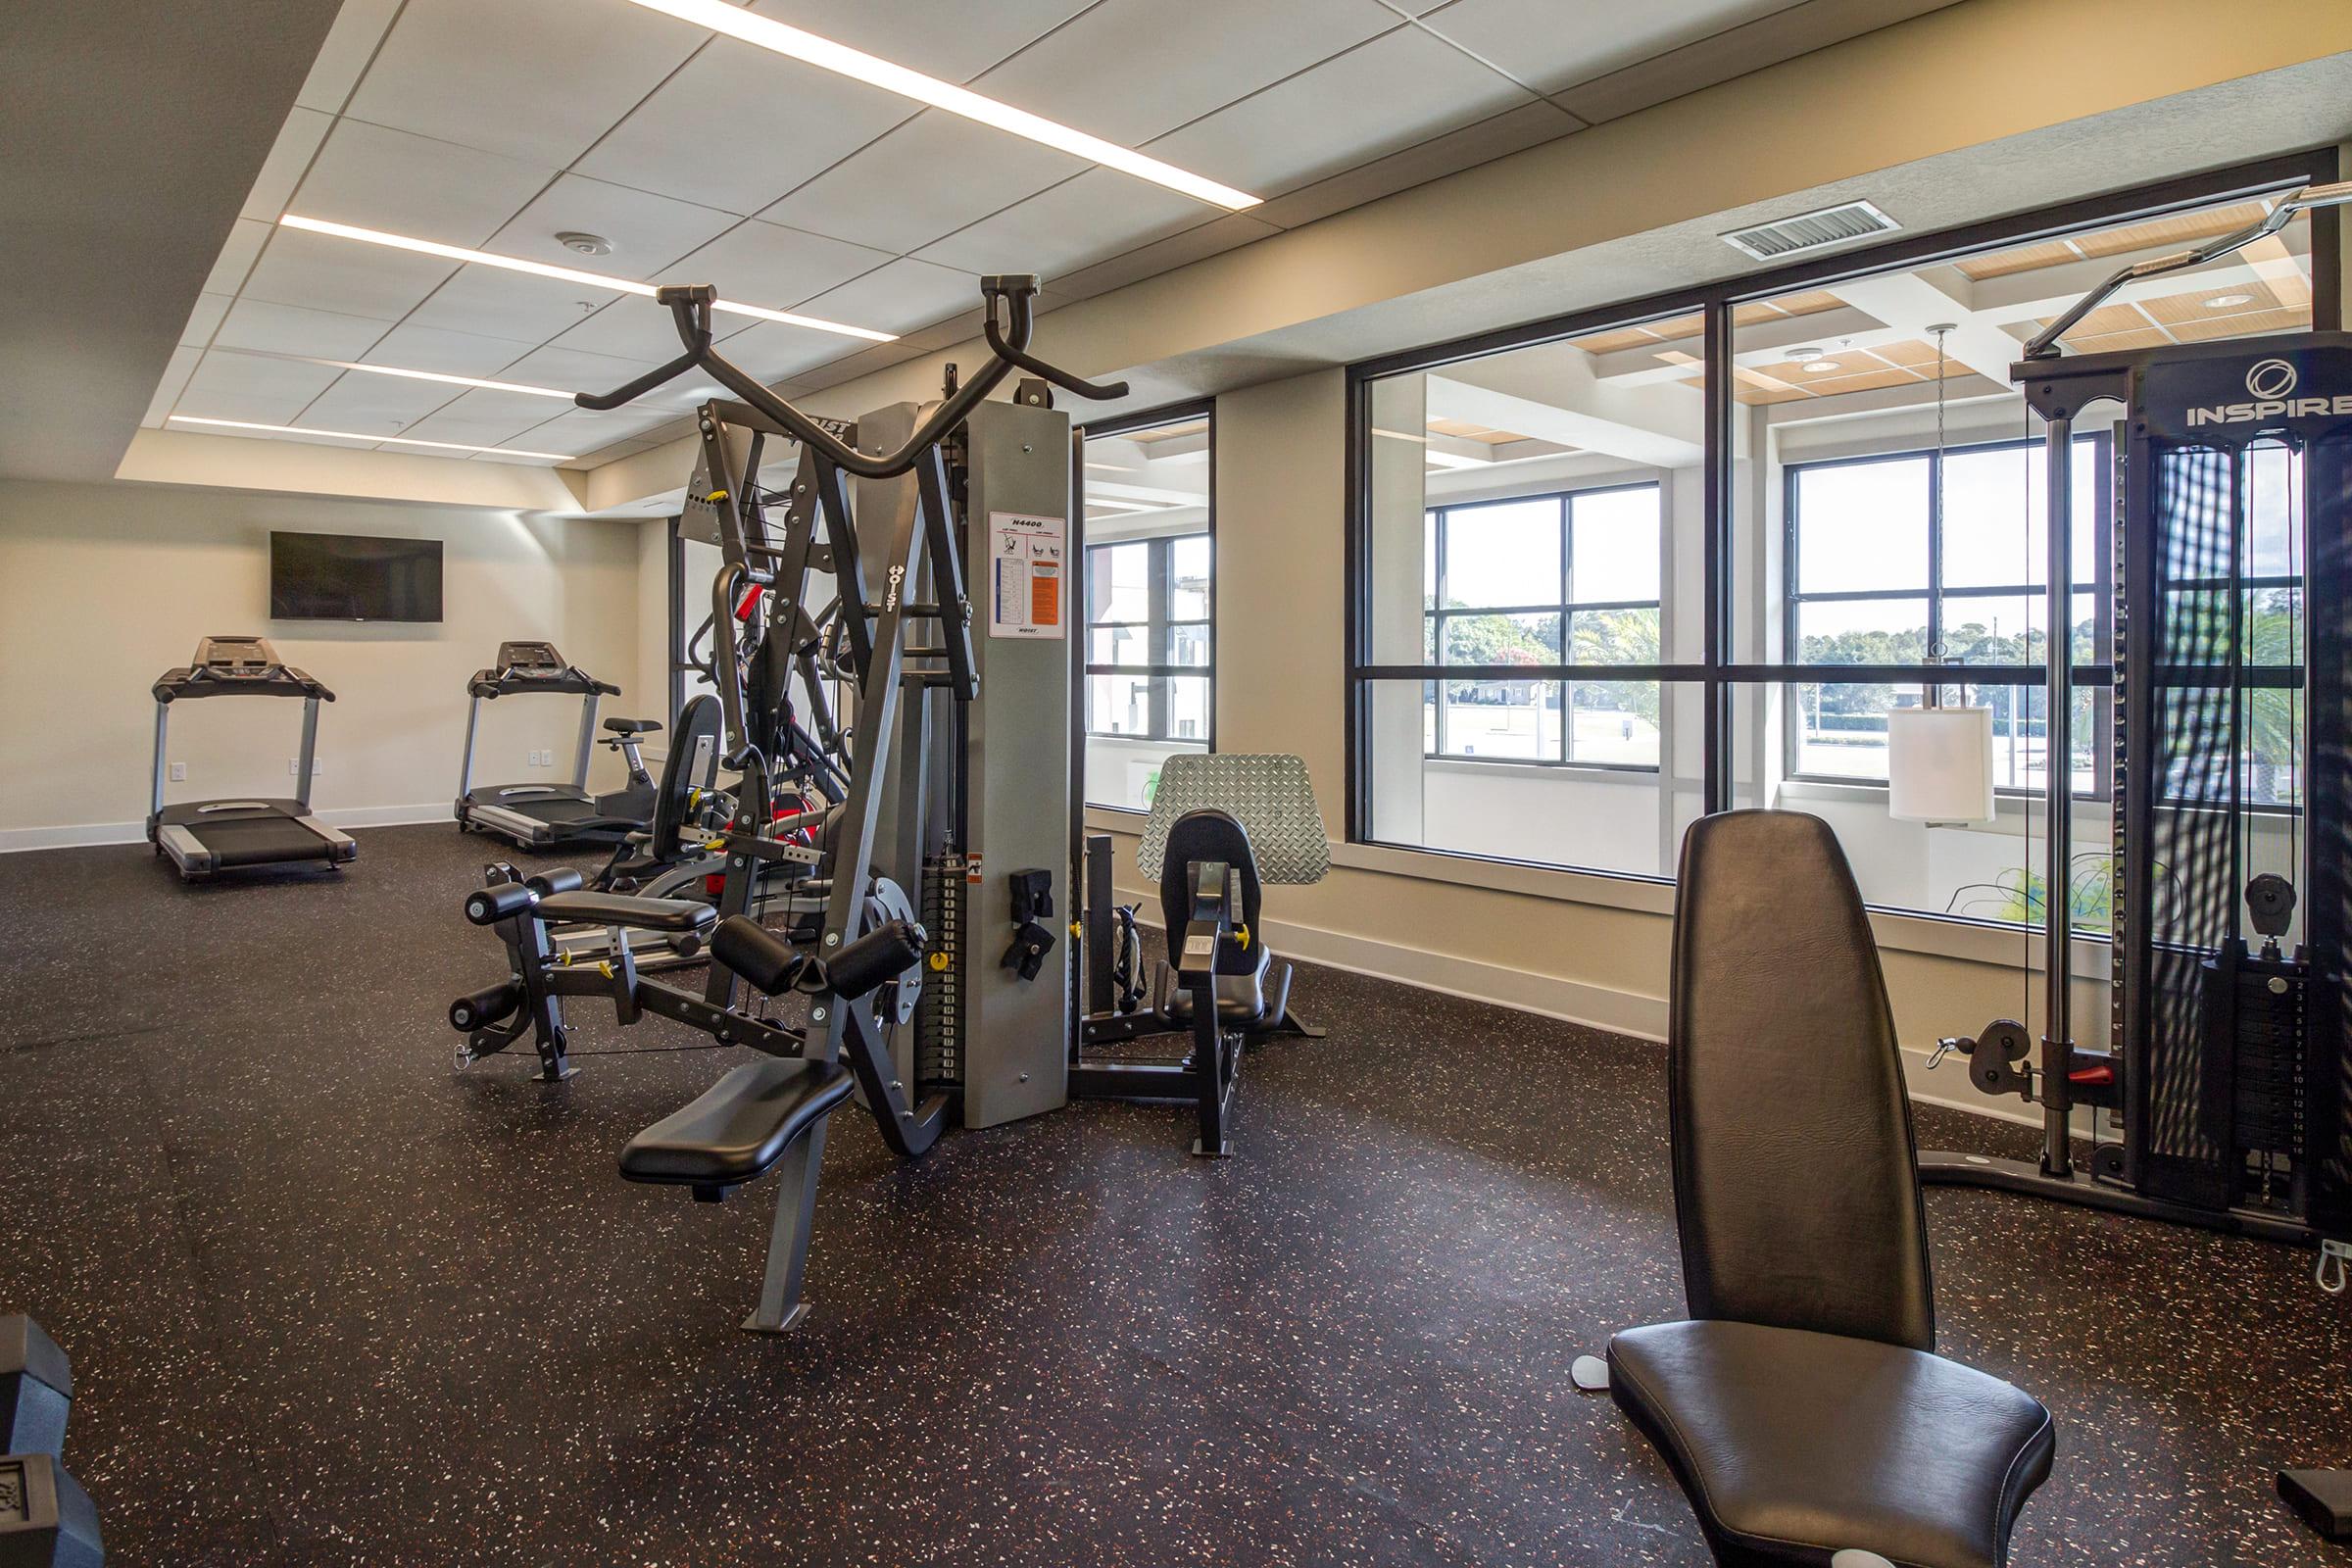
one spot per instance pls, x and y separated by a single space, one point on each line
1017 1030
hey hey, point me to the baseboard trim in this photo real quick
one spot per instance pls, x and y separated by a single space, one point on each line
85 835
1621 1013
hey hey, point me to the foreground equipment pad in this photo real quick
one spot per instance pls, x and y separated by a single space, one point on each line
737 1128
1792 1445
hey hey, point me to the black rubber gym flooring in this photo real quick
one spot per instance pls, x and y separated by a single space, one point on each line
330 1302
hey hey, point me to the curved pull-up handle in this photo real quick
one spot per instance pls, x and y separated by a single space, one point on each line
690 305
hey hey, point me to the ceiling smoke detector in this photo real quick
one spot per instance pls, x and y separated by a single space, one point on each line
572 239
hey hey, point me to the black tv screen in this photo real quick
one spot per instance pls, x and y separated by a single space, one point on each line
345 577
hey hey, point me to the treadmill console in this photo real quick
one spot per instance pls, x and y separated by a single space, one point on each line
529 661
236 657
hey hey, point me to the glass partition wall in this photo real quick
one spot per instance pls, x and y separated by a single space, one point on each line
1615 570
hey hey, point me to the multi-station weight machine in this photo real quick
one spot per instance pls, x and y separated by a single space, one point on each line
896 842
2225 1085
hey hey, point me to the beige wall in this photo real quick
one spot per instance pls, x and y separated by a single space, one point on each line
105 586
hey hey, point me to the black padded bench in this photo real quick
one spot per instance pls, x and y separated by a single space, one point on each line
736 1130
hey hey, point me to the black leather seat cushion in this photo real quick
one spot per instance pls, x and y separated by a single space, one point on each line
1241 998
1793 1444
620 908
740 1126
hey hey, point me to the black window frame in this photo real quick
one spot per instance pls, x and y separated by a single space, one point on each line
2094 451
1435 617
1082 665
1160 628
1717 674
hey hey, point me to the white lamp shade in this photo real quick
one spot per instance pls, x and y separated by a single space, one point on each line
1939 764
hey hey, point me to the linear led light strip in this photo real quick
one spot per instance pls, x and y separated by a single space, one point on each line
353 435
826 55
405 373
569 274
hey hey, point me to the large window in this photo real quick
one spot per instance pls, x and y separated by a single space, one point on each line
1541 580
1614 572
1903 556
1149 672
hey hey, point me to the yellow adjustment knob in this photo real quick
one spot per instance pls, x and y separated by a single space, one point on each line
1076 929
605 969
938 963
1240 934
715 496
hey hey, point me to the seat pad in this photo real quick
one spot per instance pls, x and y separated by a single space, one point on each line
620 908
1241 998
1792 1445
740 1126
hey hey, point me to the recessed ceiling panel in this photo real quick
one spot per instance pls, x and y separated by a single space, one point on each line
1132 69
1538 44
738 126
572 370
376 405
239 386
583 430
486 419
204 318
325 273
237 254
389 179
765 264
1397 90
909 32
495 303
1091 219
532 79
939 172
414 347
646 232
900 297
297 140
271 328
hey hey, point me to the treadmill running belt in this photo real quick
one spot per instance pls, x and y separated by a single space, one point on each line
260 841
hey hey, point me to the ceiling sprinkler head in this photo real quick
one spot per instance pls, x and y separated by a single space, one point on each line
572 239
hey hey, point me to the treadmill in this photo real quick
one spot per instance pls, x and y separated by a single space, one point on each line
204 838
542 816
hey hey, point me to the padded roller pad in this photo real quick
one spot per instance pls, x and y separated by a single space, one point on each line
739 1127
1793 1444
674 916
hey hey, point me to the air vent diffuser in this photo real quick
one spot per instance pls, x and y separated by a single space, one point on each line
1810 231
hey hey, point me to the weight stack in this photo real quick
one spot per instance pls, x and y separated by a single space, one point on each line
939 1015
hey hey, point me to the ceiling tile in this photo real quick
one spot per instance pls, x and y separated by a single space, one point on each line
254 323
908 31
1524 38
335 274
572 370
900 297
773 351
204 319
166 391
532 79
766 263
362 444
733 95
376 405
495 302
382 178
1530 126
350 44
584 430
1400 89
1099 215
941 172
414 347
632 329
239 386
1783 34
648 232
289 155
244 243
483 417
1131 70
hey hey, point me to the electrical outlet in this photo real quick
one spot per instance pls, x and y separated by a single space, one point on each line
293 767
180 772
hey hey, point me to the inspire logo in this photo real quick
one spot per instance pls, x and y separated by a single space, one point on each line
2272 383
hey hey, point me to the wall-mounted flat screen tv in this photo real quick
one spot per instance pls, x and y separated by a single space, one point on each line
345 577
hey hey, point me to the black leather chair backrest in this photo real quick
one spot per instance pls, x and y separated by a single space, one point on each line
698 721
1794 1185
1205 833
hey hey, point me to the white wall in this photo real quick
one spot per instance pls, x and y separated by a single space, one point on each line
104 587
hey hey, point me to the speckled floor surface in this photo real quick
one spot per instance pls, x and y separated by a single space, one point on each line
330 1304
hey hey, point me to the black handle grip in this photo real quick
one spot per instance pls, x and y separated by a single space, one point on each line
632 391
489 905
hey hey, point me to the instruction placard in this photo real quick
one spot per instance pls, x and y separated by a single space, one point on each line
1026 558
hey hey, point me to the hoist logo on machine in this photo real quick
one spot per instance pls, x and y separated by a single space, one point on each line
2205 398
890 600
